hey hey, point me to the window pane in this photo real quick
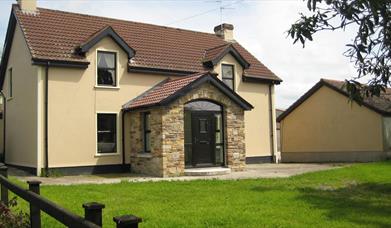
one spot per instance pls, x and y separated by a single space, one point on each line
147 142
146 121
107 133
229 83
227 71
146 132
202 106
106 60
203 125
106 77
218 121
106 68
219 154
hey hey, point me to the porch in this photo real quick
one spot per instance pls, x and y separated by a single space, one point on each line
202 126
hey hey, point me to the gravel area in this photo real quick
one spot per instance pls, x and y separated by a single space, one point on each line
252 171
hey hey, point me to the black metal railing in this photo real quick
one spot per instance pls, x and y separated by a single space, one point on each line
92 211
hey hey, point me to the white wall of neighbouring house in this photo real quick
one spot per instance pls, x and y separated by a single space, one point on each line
21 108
257 121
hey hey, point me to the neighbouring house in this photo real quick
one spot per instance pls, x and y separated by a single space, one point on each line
278 128
325 126
93 94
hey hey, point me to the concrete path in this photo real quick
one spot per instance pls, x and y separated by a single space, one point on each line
252 172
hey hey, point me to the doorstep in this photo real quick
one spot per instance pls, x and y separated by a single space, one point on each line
209 171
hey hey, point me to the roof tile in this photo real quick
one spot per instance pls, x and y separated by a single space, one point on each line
55 35
161 91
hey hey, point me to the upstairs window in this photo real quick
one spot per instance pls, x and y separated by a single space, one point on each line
107 133
107 69
228 76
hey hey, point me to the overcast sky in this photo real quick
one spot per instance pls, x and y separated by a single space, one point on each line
260 26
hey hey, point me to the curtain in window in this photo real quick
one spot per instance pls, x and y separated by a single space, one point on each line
106 60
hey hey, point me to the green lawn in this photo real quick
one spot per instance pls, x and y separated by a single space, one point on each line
359 195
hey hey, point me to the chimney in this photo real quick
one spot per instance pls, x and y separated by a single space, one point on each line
29 6
225 31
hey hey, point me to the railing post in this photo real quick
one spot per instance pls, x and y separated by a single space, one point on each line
127 221
93 212
4 190
35 212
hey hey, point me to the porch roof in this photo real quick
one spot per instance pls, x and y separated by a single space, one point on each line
170 89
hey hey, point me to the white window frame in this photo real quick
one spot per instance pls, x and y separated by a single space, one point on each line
233 74
116 72
117 133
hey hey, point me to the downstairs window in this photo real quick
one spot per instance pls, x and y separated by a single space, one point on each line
107 133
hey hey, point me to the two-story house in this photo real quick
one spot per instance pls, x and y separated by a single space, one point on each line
92 94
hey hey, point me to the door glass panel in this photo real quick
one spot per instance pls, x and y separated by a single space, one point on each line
218 121
203 125
218 137
219 148
219 152
202 106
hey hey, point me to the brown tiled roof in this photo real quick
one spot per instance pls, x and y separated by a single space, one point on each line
214 52
170 89
161 91
381 105
55 35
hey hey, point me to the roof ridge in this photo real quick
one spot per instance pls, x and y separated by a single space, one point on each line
219 46
148 91
124 20
189 76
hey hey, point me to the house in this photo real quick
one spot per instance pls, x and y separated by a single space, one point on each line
278 128
325 126
88 94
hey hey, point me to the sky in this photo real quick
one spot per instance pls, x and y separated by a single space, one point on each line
259 25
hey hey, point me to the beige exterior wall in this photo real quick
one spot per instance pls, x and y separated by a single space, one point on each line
22 112
327 122
257 121
74 102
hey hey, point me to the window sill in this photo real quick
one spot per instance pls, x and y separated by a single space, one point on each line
144 155
106 154
107 87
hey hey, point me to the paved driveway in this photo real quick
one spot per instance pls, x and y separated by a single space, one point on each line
252 171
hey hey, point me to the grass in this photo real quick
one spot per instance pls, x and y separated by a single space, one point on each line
354 196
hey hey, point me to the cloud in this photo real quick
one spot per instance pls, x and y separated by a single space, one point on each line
260 26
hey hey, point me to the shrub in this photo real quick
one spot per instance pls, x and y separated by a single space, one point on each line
13 219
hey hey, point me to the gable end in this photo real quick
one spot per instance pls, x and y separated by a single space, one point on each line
106 32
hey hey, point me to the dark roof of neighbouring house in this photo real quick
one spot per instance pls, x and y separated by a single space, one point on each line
170 89
381 104
54 35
